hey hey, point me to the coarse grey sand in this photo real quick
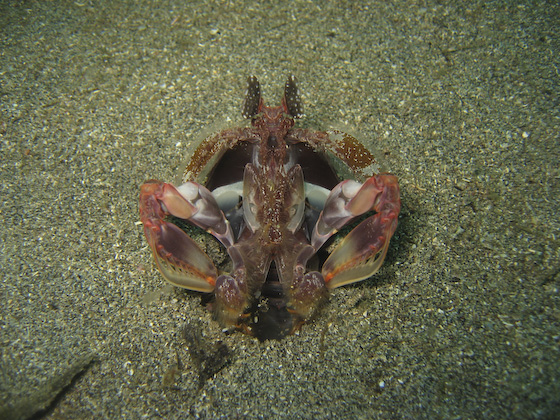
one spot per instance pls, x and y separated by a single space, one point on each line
460 99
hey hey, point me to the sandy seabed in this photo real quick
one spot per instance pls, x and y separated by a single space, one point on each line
459 98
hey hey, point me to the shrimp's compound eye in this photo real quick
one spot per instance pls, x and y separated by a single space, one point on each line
252 98
292 97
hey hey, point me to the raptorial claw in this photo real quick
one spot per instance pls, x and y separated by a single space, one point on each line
180 260
178 257
362 251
